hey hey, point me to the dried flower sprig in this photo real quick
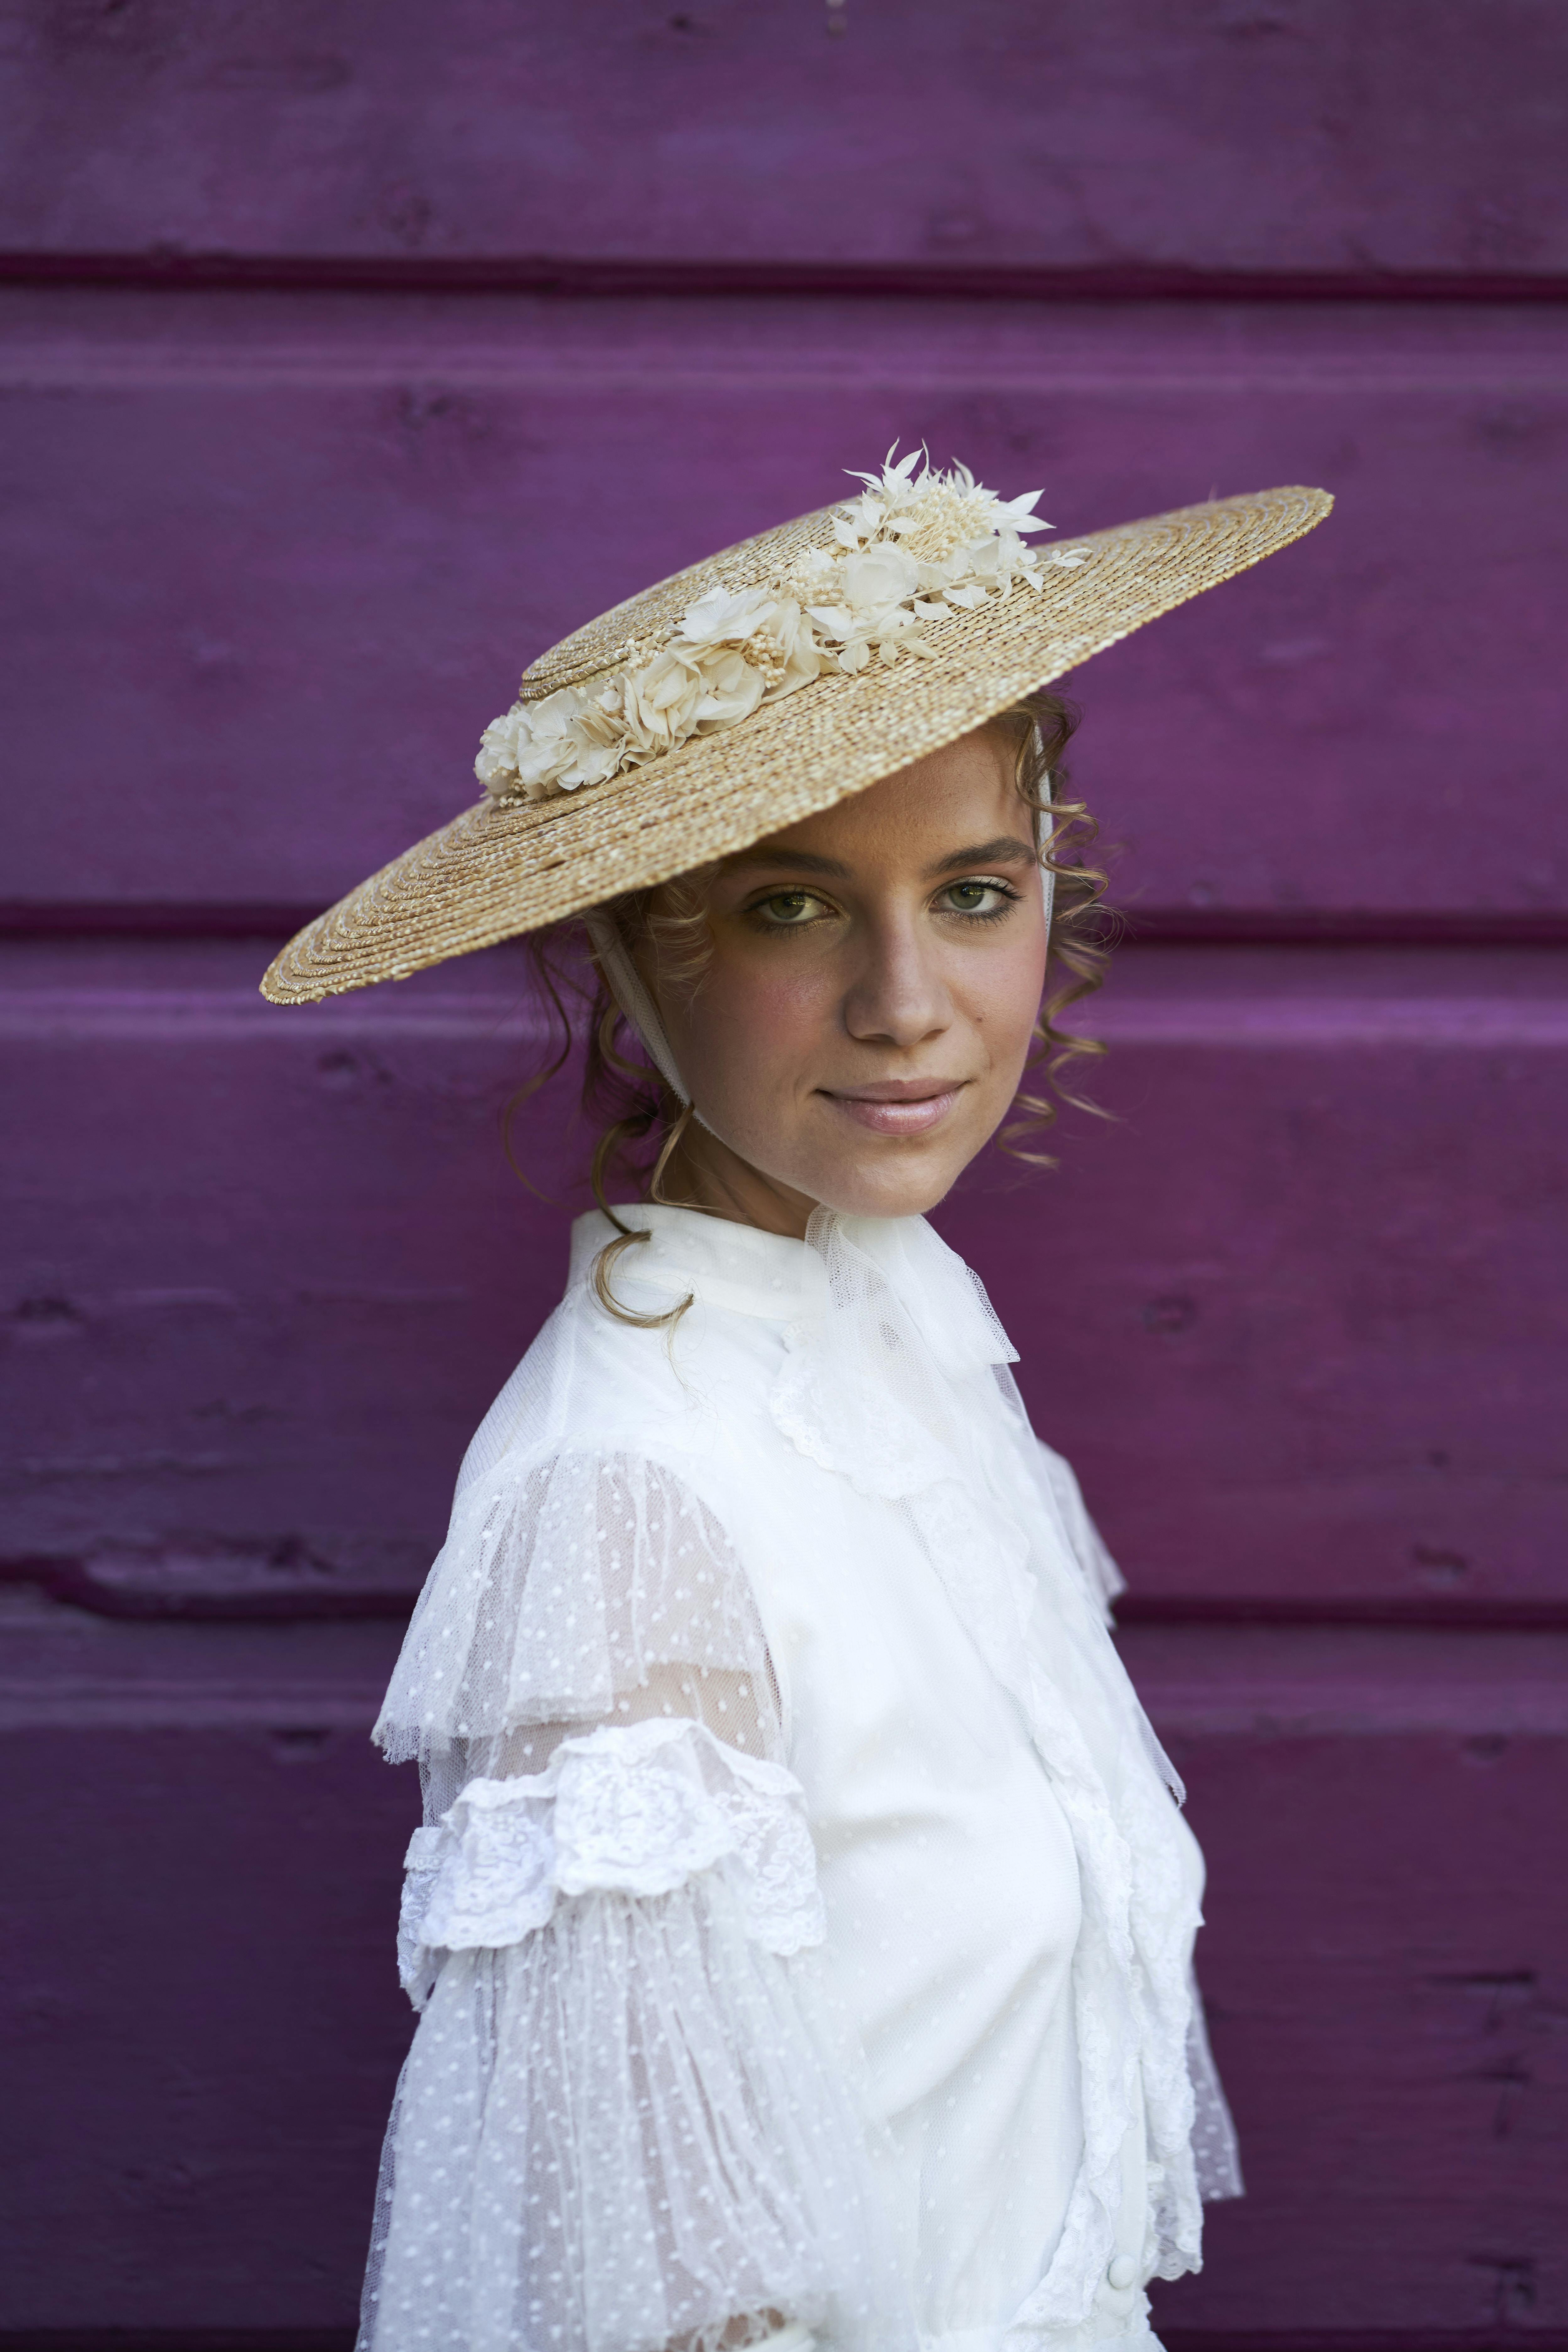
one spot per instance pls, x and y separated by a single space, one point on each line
914 547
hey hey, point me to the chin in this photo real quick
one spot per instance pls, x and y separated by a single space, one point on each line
890 1190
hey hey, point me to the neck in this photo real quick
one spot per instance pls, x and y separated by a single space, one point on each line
703 1173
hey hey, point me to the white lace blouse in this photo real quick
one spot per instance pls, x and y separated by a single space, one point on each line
803 1920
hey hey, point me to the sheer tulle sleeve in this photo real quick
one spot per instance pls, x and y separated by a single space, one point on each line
582 1590
625 2123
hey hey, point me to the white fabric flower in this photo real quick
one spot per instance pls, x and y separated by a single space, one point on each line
496 762
913 546
880 577
660 701
832 621
732 690
558 745
720 617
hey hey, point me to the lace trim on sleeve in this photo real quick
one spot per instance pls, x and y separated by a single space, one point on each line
640 1809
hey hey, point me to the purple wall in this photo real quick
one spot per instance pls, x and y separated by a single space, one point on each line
355 355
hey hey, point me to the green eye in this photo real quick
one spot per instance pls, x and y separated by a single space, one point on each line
787 907
983 898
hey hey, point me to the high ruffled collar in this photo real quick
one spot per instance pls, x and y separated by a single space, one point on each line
724 1265
841 1265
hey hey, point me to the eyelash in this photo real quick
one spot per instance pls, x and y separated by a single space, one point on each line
757 911
1005 890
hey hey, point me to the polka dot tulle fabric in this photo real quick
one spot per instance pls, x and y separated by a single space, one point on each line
801 1920
622 2130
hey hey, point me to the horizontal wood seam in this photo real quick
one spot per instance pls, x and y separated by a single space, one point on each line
74 1581
1175 2340
581 278
1152 925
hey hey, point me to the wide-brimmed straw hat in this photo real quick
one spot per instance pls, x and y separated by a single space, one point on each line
760 687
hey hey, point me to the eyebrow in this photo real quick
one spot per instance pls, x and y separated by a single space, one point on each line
799 861
1006 850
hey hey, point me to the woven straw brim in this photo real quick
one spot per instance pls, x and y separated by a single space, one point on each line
504 868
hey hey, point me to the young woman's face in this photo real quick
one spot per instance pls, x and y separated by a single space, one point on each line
862 1024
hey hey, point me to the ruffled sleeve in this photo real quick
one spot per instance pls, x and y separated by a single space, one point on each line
625 2123
574 1591
642 1811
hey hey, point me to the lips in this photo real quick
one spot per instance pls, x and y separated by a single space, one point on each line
899 1106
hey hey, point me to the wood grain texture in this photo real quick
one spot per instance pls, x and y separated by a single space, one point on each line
203 2018
1296 1317
200 1959
1382 1967
1299 135
577 295
277 562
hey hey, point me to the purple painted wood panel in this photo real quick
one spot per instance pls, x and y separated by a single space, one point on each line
273 556
1383 1968
279 560
202 2025
1269 135
1296 1317
204 2028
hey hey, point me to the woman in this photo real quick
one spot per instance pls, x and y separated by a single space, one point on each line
803 1918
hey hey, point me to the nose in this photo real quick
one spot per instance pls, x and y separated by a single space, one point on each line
897 995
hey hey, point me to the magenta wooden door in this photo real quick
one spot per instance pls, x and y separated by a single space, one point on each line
353 355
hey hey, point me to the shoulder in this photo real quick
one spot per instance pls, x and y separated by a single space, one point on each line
655 1373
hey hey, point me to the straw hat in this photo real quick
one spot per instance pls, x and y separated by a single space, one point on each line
762 686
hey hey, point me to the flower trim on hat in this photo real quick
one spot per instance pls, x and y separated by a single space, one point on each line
911 548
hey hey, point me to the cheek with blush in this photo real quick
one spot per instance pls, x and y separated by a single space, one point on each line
1007 1010
749 1037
